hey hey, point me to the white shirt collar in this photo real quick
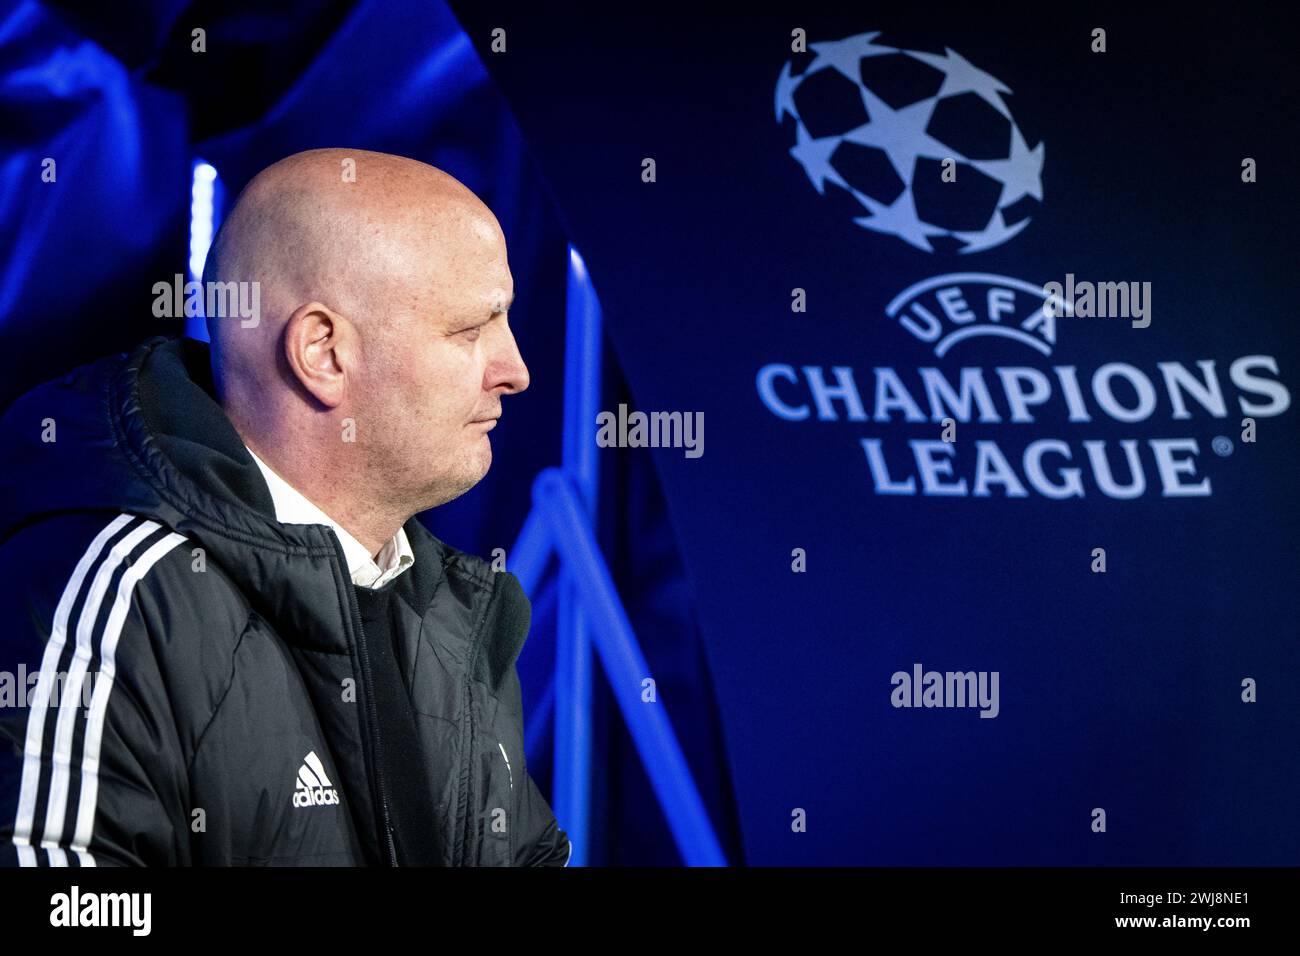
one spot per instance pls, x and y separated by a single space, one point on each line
293 507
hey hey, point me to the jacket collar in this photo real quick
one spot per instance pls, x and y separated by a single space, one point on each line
208 487
293 507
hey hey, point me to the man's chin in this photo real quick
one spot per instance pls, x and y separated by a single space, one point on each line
450 492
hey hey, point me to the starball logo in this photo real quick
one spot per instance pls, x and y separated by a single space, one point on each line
924 143
1155 403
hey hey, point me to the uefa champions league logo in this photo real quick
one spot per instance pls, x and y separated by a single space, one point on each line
881 130
884 123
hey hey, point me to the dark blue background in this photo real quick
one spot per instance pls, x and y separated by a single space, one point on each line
1119 691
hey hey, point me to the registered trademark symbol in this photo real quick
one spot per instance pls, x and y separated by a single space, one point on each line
1222 445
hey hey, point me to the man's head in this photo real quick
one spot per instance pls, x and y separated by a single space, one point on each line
382 345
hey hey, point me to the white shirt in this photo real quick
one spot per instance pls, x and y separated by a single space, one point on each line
293 507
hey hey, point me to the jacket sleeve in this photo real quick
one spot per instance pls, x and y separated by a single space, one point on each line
544 843
91 770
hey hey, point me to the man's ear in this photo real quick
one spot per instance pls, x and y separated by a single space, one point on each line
320 347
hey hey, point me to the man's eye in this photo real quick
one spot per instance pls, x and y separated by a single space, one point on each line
471 333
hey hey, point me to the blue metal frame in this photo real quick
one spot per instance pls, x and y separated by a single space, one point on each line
561 523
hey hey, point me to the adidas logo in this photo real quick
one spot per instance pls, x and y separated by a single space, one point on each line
314 788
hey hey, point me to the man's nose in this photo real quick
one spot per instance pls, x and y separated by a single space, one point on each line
507 367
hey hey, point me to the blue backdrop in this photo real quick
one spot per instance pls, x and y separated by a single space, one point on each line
822 171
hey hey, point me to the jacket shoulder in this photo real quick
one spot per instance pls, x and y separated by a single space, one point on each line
130 571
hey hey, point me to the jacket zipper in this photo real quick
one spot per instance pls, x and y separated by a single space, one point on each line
467 752
373 722
467 756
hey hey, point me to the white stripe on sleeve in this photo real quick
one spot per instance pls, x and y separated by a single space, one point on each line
69 705
32 748
104 687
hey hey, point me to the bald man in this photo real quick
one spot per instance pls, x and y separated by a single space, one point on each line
237 644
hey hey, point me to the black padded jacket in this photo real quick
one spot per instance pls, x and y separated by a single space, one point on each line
186 681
